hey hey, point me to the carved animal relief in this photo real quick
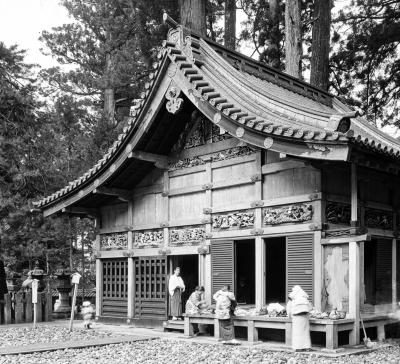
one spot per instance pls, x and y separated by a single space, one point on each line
114 241
236 219
149 239
288 214
187 236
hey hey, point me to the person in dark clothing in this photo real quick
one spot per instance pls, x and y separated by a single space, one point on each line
3 282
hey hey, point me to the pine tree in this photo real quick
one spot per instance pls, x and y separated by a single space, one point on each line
230 24
293 38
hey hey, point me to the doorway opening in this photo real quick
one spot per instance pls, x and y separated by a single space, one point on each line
189 265
245 275
275 263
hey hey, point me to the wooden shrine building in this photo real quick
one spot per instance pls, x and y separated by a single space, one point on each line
240 175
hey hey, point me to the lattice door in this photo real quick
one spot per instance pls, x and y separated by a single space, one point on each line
150 291
115 287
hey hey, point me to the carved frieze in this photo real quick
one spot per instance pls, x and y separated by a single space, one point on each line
233 220
187 236
148 239
226 154
114 241
288 214
378 219
338 213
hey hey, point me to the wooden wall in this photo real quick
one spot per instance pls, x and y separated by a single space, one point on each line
115 215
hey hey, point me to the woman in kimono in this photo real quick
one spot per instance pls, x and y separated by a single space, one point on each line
194 305
175 288
224 308
298 309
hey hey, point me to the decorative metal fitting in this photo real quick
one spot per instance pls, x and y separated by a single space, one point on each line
259 203
164 224
204 249
207 186
256 232
255 178
207 210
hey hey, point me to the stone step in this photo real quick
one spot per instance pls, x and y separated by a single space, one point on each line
173 325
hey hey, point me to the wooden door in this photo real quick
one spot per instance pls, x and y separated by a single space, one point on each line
115 288
150 288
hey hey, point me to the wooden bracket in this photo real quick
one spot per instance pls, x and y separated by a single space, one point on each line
90 212
207 186
128 253
255 178
121 194
160 161
257 232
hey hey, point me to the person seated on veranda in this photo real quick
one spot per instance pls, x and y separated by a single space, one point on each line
194 304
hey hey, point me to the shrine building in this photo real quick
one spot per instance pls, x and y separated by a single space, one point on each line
243 175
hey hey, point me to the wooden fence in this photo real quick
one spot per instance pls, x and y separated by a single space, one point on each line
18 308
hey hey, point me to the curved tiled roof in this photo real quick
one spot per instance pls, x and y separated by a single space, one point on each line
276 106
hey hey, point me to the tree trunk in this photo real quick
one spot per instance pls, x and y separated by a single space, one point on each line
230 24
193 15
274 53
109 104
320 44
293 38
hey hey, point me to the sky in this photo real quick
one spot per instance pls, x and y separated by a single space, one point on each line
21 22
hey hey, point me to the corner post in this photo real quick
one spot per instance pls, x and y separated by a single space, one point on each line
99 278
394 274
131 303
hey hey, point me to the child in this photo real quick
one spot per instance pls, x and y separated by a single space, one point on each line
87 312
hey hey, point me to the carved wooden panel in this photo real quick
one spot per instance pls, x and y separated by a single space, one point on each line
287 214
233 220
148 239
114 241
187 236
338 213
378 219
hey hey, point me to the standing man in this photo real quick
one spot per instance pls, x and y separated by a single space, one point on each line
175 288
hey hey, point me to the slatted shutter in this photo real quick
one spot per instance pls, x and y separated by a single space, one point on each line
383 275
222 264
299 258
115 287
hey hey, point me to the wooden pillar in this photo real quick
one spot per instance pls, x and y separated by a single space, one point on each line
206 259
354 194
318 270
99 276
354 290
207 278
131 283
260 272
394 274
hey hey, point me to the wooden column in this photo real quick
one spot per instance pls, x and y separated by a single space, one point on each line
354 195
354 290
207 278
259 241
166 208
131 283
318 270
206 259
260 272
99 286
394 275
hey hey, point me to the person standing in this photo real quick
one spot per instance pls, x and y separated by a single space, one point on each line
175 288
298 309
3 281
224 310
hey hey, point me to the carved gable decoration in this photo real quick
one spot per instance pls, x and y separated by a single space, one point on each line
378 219
338 213
187 236
174 103
288 214
238 220
114 241
148 239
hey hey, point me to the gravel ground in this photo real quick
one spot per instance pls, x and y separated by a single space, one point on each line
170 351
16 336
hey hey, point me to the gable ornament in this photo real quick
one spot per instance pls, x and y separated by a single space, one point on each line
174 103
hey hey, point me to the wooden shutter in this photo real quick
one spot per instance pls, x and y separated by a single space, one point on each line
299 258
222 264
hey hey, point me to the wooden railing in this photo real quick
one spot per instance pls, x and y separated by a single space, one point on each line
18 308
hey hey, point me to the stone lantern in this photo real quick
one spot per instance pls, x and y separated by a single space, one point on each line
35 273
14 281
62 308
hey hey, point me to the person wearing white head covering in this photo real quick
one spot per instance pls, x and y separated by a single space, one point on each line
298 309
175 288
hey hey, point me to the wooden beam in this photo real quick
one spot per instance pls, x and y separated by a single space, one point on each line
121 194
345 239
90 212
160 161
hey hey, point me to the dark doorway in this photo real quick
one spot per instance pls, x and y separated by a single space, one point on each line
245 275
189 265
275 263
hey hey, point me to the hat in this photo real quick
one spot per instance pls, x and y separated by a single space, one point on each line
86 303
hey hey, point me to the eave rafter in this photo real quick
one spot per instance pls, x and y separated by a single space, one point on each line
159 161
81 211
121 194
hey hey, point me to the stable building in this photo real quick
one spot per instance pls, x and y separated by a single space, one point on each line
241 175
